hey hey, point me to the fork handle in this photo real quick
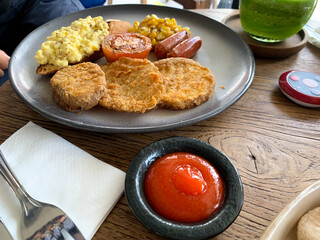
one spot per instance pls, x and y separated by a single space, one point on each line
26 201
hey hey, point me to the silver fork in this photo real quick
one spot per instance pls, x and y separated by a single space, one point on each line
40 220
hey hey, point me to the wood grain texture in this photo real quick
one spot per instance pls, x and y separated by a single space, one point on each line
273 142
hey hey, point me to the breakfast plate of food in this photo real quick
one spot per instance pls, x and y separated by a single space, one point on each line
131 68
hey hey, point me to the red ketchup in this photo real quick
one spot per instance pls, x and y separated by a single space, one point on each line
184 187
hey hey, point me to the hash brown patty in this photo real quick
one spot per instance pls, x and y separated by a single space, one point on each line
133 85
78 87
187 83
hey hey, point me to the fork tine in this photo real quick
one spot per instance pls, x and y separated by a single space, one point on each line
56 231
72 229
50 230
53 234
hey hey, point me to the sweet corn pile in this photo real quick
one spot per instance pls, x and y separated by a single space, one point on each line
157 28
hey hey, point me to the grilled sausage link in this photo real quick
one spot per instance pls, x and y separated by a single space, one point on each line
165 46
187 48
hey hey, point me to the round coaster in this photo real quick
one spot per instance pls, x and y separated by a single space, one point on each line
282 49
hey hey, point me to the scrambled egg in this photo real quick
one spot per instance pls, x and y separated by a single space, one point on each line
70 44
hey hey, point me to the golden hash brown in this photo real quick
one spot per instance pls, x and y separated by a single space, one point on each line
78 87
186 82
133 85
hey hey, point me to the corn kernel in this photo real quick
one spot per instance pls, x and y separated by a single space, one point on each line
160 36
168 34
136 24
152 22
161 25
165 29
144 31
153 16
153 41
153 34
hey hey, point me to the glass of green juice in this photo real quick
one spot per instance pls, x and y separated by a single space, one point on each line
275 20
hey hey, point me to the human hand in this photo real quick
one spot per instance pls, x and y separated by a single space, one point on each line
4 62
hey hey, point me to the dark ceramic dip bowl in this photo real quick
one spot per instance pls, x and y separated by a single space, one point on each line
210 227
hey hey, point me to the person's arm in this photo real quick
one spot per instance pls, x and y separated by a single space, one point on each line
4 62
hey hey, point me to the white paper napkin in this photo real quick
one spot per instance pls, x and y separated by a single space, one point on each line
313 29
55 171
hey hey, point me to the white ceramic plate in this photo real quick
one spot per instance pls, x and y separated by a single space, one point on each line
223 52
284 226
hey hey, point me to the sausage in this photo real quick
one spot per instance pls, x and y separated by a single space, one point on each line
187 48
165 46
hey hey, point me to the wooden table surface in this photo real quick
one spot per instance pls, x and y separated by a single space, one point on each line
273 142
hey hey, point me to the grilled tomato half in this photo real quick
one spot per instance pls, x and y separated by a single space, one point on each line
132 45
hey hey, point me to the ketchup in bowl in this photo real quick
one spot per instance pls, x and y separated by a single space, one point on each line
187 180
184 187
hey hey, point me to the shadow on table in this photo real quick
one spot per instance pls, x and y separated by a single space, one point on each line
4 78
287 107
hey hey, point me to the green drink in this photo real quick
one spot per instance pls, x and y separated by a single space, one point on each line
275 20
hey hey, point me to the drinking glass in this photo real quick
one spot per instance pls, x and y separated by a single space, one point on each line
275 20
